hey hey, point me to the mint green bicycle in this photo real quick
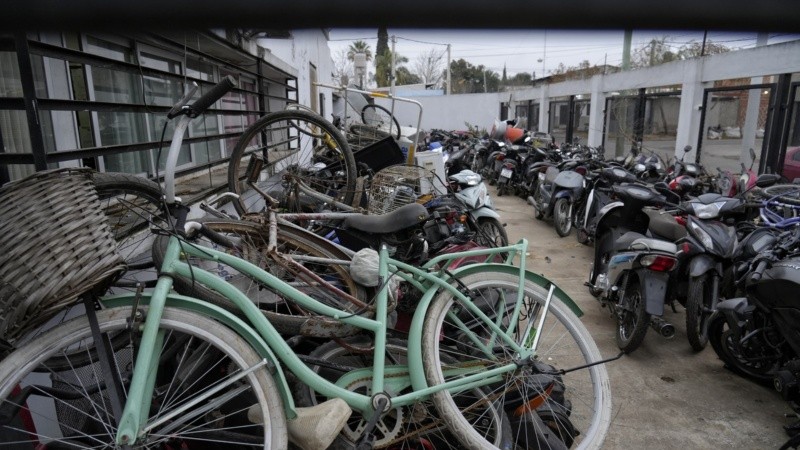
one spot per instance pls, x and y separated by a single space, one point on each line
496 358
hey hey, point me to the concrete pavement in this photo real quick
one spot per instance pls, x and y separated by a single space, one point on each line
665 395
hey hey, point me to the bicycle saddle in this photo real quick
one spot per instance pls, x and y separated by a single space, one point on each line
403 217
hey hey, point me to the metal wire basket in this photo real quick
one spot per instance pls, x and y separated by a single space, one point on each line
396 186
56 246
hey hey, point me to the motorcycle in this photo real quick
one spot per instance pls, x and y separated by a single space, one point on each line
599 185
510 172
758 335
630 272
469 189
556 194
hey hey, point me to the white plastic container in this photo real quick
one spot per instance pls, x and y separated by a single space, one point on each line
433 163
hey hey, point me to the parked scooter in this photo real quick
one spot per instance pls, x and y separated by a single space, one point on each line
600 194
511 170
555 196
481 216
631 271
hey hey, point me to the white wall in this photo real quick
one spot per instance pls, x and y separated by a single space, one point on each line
449 112
304 48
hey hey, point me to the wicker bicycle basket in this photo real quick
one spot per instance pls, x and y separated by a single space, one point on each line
396 186
55 246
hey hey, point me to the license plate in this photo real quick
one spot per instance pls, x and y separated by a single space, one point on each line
541 176
506 173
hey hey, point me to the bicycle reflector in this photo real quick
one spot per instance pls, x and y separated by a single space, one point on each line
658 263
254 167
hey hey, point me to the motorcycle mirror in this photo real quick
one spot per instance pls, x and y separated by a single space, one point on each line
767 179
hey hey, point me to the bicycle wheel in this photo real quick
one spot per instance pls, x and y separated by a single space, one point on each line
287 317
381 118
131 204
543 406
70 408
298 144
784 193
411 427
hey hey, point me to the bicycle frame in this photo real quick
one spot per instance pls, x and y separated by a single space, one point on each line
426 278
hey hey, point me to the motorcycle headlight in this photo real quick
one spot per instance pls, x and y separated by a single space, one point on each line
701 234
472 180
709 211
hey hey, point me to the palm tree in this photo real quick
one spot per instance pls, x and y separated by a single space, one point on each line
359 47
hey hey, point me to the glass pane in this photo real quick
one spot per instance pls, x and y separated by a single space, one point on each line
734 123
791 163
661 125
559 116
620 115
10 85
580 128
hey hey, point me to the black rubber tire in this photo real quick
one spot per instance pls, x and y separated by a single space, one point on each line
698 310
632 319
300 240
206 353
133 204
720 336
377 115
785 193
562 216
491 233
304 128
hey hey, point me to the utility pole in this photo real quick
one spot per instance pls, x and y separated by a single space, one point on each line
652 52
626 50
393 74
448 69
484 82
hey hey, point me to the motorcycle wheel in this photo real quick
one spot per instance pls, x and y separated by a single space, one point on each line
632 319
698 310
491 233
562 216
755 367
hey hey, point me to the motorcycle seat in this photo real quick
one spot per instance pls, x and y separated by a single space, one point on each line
637 241
404 217
664 225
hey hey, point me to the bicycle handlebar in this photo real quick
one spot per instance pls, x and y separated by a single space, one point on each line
216 93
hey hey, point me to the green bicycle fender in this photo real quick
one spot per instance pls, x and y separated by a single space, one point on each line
226 318
530 276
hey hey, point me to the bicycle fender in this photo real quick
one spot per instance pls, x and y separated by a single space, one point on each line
701 264
225 317
654 290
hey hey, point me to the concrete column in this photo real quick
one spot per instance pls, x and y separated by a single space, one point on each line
691 100
596 112
751 117
544 108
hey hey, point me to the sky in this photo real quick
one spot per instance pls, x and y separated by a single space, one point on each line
522 50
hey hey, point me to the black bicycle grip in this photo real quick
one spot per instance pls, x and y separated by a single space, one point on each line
207 99
217 238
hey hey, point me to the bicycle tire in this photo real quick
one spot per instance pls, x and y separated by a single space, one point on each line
71 407
291 142
287 318
443 336
131 204
400 428
779 193
378 116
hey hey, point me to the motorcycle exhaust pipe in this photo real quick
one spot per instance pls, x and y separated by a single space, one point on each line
665 329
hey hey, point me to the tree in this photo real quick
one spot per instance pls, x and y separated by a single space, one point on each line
467 78
405 76
383 70
342 68
429 67
659 51
359 47
383 41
